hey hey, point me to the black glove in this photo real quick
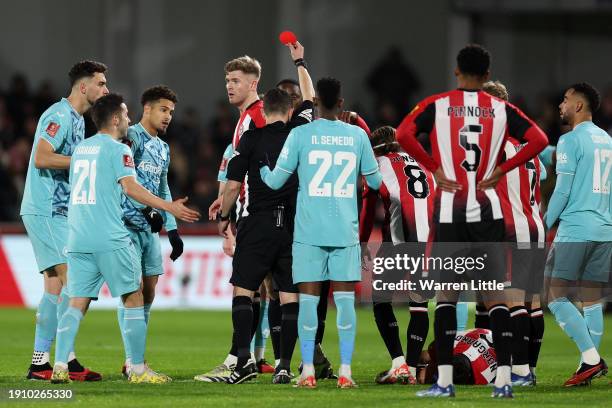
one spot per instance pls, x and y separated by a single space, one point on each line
177 244
266 162
154 218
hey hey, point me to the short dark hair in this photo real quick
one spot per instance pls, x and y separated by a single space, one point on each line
590 94
462 370
276 101
155 93
329 91
84 69
383 140
474 59
105 107
288 81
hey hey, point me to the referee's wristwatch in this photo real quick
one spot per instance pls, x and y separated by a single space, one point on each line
222 218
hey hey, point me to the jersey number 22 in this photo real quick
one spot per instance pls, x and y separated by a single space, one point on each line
316 187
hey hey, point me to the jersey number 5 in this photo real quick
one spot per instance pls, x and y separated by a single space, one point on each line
316 187
468 138
84 169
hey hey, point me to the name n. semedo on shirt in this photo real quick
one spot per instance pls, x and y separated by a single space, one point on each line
333 140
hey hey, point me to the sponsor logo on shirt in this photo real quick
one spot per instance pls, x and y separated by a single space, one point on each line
306 114
149 167
128 161
52 129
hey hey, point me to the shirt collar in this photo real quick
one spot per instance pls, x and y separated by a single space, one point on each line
583 124
67 102
142 129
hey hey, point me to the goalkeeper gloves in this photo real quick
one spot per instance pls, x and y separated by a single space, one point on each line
154 218
177 244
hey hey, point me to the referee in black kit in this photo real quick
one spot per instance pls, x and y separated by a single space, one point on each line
265 237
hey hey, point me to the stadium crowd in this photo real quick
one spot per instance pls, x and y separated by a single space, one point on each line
196 144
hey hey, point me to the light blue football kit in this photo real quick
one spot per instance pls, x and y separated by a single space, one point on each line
99 245
44 206
583 203
582 249
44 210
152 160
328 156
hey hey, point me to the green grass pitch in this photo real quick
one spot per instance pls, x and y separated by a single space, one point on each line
185 343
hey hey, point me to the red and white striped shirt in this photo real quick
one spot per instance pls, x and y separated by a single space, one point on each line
467 130
477 346
407 192
251 118
519 192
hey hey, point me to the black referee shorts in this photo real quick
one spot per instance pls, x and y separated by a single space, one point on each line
262 248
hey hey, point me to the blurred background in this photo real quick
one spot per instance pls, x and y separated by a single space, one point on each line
388 54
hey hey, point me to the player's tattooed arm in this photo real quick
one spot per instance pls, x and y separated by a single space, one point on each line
46 158
134 190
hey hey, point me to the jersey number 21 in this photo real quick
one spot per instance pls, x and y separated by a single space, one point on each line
84 169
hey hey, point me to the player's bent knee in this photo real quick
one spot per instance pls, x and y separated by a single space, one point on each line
238 291
80 303
149 283
133 299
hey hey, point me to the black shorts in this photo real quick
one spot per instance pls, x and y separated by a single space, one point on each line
400 281
263 248
476 250
527 266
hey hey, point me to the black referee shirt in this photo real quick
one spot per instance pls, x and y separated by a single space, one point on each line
264 145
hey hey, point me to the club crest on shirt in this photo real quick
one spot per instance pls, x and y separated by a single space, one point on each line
223 165
128 161
52 129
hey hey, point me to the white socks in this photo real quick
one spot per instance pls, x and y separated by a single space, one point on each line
345 371
503 376
230 360
521 370
308 370
591 356
138 368
445 375
40 357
